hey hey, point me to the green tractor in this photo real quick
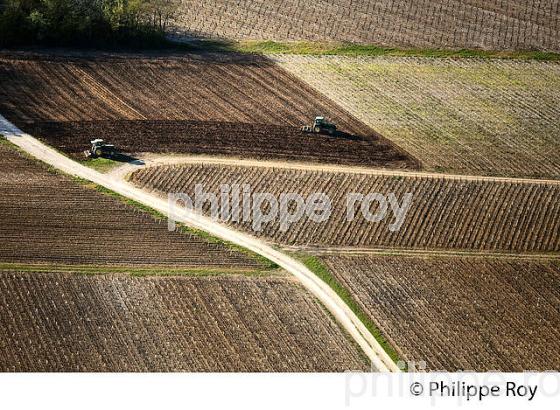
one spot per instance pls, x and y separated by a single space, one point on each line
100 149
320 126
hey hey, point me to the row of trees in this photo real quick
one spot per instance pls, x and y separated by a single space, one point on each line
85 22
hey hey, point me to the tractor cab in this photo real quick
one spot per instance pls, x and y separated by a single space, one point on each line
320 126
100 149
319 122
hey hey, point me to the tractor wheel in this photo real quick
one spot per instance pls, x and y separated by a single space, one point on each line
98 152
317 130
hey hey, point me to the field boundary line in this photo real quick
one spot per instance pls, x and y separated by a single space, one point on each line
342 250
135 270
346 318
299 166
348 49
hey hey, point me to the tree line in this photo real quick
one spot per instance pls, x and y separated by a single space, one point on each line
94 23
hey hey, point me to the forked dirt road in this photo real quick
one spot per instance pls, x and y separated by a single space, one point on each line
343 314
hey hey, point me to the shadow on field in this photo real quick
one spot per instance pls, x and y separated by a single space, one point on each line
180 46
126 158
346 136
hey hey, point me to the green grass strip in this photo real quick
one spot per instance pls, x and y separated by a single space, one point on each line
316 266
102 165
354 50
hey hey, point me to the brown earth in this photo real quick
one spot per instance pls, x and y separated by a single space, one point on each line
48 218
65 322
461 314
213 104
259 141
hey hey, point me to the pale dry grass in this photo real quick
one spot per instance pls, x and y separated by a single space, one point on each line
468 116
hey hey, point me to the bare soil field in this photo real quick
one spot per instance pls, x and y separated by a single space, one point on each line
444 214
125 324
221 138
197 103
466 116
50 219
509 24
461 313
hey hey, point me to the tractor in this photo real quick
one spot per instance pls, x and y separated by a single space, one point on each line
320 126
100 149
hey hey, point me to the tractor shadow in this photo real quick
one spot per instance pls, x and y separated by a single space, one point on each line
341 135
125 158
346 136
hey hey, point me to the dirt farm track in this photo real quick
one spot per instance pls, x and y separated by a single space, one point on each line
75 255
68 224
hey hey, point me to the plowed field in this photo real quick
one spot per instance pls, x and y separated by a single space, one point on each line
225 104
64 322
461 313
221 138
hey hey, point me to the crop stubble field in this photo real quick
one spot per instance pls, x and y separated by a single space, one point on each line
494 24
65 322
460 314
444 214
225 104
477 116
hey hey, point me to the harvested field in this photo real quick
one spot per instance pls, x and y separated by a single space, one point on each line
466 116
509 24
213 104
50 219
461 313
444 213
64 322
